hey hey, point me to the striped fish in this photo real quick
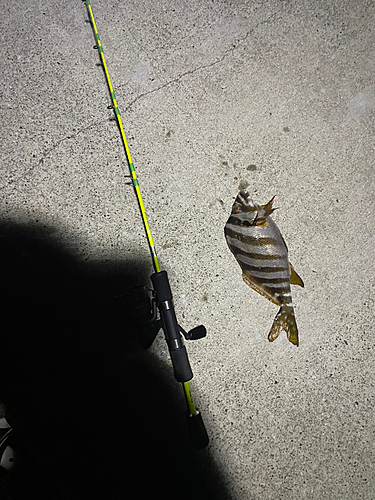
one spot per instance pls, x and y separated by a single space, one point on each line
260 250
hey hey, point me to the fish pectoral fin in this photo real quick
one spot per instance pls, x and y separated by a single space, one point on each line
261 222
294 278
252 283
284 320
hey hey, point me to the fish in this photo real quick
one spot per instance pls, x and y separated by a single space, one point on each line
260 250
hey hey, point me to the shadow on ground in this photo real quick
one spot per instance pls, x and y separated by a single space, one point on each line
94 416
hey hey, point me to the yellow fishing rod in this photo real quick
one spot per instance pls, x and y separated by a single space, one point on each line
162 300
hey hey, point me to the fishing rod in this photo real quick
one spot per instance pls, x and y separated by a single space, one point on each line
162 300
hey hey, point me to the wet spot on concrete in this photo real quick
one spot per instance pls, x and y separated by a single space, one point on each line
169 245
286 129
243 185
169 133
225 163
251 168
205 297
213 203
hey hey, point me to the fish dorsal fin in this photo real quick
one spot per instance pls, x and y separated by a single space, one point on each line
268 207
294 278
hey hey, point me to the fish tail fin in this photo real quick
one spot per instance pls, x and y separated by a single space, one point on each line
285 320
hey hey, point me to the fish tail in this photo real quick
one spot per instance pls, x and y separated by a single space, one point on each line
285 320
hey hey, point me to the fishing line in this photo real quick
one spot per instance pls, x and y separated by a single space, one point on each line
163 300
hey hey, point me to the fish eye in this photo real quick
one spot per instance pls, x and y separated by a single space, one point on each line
236 208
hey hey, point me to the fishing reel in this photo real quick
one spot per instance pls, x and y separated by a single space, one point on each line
161 301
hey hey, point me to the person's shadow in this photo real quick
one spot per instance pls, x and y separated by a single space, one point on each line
93 415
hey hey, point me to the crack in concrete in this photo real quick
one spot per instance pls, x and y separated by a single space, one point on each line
225 54
203 66
46 153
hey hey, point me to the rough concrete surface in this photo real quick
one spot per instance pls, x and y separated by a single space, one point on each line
215 96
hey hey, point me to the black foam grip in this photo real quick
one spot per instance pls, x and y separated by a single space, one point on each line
161 285
181 364
177 351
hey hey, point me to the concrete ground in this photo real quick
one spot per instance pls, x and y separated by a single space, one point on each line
215 96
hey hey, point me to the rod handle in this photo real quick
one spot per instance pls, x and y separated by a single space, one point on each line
177 350
181 364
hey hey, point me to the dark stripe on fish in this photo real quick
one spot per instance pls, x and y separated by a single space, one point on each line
238 222
241 252
272 280
258 256
250 240
278 290
279 281
266 241
265 269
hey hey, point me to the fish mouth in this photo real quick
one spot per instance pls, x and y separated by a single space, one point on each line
244 194
243 199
